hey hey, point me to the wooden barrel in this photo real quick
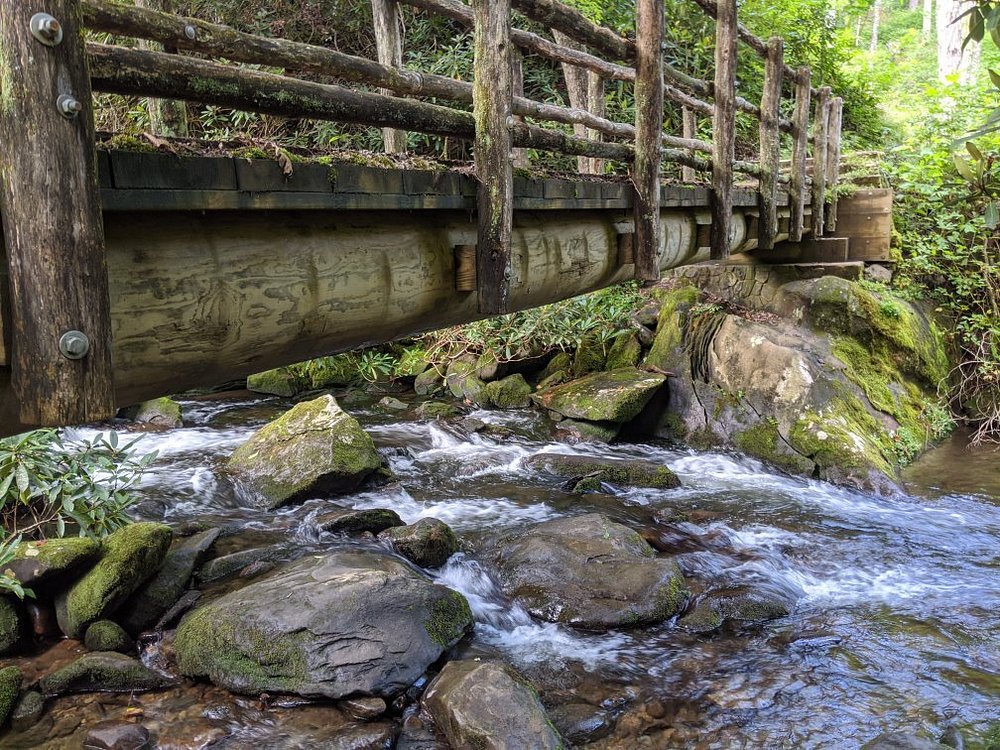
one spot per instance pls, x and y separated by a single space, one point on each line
866 219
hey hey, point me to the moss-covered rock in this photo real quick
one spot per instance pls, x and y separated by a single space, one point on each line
429 382
738 607
281 381
11 625
436 410
102 671
54 561
626 351
316 448
337 625
130 557
674 305
357 520
10 686
486 705
428 542
464 383
764 441
614 396
162 412
589 356
513 392
560 362
105 635
621 473
579 431
27 711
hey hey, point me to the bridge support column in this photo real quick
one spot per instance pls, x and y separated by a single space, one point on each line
648 138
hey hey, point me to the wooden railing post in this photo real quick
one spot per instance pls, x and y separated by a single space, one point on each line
576 79
595 101
167 117
389 46
833 160
821 129
774 70
800 152
53 226
724 130
521 159
491 107
648 138
689 130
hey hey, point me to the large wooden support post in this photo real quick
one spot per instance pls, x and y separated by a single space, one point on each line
491 106
648 138
821 130
595 100
389 47
53 228
689 130
770 143
833 160
800 153
724 129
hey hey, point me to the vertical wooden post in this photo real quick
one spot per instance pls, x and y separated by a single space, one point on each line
833 160
595 98
821 128
167 117
648 138
491 107
53 225
689 129
724 130
389 46
770 143
521 159
800 151
577 89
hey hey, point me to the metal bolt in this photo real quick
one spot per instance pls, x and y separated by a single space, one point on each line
74 345
190 32
510 122
68 106
46 29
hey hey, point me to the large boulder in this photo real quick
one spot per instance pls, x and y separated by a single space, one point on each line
487 706
614 396
130 557
343 624
316 448
589 572
38 564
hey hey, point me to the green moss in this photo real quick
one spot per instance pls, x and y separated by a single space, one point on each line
513 392
163 411
126 142
282 381
450 619
10 686
561 362
763 441
589 357
674 304
625 352
251 152
101 671
11 630
613 396
435 410
105 635
844 436
991 741
704 438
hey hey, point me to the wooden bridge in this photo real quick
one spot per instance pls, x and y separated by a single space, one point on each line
130 275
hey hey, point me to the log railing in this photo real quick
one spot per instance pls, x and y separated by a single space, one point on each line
214 64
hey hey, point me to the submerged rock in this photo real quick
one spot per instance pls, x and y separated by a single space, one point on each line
591 573
10 684
487 706
902 741
102 671
631 473
338 625
105 635
38 564
739 606
428 542
117 735
27 712
580 723
357 520
614 396
316 448
159 412
131 556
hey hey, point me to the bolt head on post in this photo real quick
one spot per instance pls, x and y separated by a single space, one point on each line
74 345
68 106
190 32
46 29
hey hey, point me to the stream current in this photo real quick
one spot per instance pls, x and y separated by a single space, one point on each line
895 626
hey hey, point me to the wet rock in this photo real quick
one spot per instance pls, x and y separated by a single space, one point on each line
626 351
10 684
171 616
315 448
42 620
428 542
614 396
54 561
591 573
282 381
418 734
27 711
429 382
463 382
902 741
117 735
738 606
11 625
953 738
333 626
560 362
130 557
620 473
581 723
364 709
365 737
227 565
392 404
576 431
159 412
356 521
488 706
162 591
105 635
436 410
102 671
513 392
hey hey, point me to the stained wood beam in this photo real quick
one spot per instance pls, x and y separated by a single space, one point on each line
648 138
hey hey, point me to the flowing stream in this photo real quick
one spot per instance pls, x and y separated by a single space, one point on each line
896 621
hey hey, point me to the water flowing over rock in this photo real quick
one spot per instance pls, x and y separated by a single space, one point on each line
315 448
591 573
486 705
614 396
356 521
622 473
343 624
428 542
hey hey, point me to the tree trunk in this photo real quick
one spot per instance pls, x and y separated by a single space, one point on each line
876 22
950 35
166 116
928 20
